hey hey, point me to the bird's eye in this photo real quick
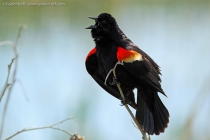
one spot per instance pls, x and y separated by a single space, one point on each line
104 22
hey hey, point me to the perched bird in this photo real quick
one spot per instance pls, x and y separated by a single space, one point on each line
138 70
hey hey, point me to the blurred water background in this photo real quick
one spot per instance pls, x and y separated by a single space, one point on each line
52 51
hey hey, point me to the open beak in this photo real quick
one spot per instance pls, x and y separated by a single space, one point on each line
92 26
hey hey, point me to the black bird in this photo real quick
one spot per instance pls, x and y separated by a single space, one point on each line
138 71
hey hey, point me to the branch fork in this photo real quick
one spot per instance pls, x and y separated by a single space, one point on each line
144 136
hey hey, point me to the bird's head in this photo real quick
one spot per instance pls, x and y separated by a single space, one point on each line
103 26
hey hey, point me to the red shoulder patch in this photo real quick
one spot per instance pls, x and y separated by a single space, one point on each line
90 53
128 55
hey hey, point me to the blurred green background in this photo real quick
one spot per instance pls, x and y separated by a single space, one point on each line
52 52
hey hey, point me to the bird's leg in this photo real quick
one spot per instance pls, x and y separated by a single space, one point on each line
107 76
125 101
114 81
111 70
119 63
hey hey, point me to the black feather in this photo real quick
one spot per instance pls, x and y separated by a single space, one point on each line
143 74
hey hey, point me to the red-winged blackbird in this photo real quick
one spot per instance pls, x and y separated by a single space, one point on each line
138 71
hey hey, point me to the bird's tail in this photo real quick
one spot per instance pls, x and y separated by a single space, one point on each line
151 114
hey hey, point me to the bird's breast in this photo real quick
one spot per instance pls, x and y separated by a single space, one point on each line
106 59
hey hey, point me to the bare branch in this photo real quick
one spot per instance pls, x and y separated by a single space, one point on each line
7 42
10 88
144 136
13 77
62 130
7 80
61 121
42 127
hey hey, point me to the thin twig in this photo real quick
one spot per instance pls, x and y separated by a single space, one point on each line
6 85
13 77
144 136
62 130
7 42
42 127
107 76
13 80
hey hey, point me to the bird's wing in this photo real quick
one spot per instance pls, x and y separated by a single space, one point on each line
141 67
92 68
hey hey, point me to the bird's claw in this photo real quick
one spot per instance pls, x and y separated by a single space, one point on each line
120 63
114 81
124 102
